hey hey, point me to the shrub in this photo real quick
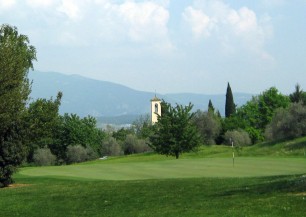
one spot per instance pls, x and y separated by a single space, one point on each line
91 153
133 145
287 123
110 147
76 154
208 125
142 146
239 137
44 157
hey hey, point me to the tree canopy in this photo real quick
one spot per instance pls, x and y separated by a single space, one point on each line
174 133
42 122
16 58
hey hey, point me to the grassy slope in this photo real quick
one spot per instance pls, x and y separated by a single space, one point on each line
261 196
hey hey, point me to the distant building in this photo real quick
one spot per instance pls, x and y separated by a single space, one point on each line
155 109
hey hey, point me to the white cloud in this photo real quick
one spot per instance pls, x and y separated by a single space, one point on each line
138 22
7 4
40 3
142 21
71 9
200 23
98 21
233 28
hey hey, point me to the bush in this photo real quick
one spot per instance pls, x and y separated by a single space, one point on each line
239 137
133 145
91 153
208 125
287 123
76 154
44 157
142 146
110 147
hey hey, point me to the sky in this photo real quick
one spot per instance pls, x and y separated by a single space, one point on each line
169 46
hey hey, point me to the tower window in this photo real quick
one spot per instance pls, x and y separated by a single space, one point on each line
156 108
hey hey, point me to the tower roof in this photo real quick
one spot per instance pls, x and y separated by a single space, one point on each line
155 99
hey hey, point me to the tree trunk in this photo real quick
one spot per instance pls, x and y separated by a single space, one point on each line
177 155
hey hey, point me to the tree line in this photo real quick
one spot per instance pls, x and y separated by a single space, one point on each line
34 133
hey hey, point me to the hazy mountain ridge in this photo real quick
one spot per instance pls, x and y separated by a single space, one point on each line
85 96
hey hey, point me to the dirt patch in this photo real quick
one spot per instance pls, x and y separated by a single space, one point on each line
301 194
17 185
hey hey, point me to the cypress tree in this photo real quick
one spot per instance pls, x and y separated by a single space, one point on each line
230 107
211 108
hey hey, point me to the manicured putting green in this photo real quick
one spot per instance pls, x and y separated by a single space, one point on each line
182 168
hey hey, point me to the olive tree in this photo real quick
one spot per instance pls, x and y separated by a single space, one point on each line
288 123
208 125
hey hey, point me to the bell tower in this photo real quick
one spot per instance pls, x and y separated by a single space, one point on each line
155 109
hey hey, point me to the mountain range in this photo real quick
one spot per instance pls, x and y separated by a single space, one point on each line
110 101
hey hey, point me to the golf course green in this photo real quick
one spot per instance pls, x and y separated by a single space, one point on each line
172 168
265 180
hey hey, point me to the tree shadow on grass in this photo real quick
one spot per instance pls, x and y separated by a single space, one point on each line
278 184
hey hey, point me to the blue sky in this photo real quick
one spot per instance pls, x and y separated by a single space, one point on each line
169 46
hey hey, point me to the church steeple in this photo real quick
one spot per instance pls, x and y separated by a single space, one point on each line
155 109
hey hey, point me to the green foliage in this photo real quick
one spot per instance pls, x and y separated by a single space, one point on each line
78 131
230 107
238 137
16 57
121 134
44 157
268 102
42 122
110 147
208 125
174 133
288 123
298 95
211 108
134 145
254 116
76 154
142 127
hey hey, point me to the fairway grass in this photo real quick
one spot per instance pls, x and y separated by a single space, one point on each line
54 197
172 168
205 183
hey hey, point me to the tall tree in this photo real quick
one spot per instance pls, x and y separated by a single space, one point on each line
211 108
268 102
208 125
254 116
77 131
42 123
230 107
298 95
174 133
16 58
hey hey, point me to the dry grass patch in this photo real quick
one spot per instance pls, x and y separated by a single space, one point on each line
18 185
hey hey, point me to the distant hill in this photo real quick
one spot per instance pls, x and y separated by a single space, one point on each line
109 101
